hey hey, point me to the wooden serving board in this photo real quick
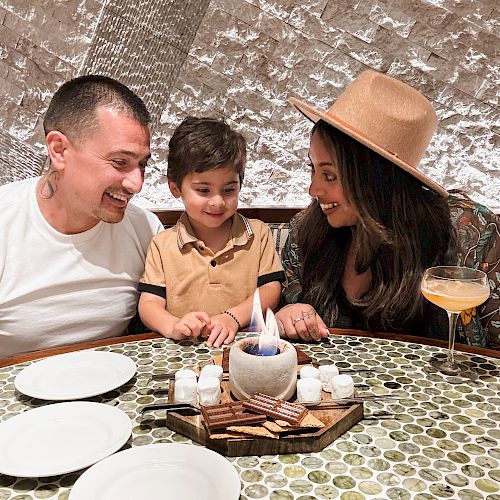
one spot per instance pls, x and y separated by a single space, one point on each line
337 421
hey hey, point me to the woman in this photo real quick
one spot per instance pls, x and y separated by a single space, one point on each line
355 257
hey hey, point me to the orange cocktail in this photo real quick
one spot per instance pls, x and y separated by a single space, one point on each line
455 296
454 289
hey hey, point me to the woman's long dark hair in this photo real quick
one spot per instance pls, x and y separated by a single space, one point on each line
403 229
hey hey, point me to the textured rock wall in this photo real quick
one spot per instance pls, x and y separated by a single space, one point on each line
242 59
42 43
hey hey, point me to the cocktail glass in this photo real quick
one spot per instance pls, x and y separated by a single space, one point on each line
455 289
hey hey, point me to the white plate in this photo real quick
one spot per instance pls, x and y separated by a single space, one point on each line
160 471
60 438
75 375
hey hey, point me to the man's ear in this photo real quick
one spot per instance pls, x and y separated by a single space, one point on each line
176 192
57 143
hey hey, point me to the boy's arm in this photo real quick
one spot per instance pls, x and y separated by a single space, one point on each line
154 315
152 288
225 326
269 299
269 277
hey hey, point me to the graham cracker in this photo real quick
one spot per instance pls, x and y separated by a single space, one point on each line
273 426
308 422
283 423
253 431
311 421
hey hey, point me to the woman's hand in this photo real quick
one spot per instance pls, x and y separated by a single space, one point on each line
301 321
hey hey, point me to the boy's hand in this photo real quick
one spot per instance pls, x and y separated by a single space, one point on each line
224 329
192 325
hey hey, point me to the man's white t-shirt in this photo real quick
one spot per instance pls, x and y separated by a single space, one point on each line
58 289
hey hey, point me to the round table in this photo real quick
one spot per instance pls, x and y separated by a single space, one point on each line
441 440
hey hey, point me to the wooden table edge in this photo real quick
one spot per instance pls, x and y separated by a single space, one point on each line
413 339
45 353
31 356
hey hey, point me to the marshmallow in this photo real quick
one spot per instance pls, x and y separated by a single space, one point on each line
209 390
180 374
308 389
309 372
185 391
326 372
211 371
342 386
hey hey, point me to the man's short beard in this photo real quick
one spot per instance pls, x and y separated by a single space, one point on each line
105 216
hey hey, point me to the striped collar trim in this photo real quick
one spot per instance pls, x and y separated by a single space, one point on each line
241 231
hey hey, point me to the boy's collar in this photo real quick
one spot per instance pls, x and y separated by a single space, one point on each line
241 231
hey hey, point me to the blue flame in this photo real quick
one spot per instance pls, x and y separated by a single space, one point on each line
268 350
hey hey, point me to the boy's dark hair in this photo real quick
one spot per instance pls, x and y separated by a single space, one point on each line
201 144
72 109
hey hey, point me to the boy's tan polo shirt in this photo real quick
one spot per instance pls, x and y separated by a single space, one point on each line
191 277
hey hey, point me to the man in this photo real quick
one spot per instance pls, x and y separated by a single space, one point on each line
72 248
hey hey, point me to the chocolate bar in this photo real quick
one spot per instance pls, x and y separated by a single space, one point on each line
276 408
225 414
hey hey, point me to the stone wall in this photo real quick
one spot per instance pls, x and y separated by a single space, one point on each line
242 59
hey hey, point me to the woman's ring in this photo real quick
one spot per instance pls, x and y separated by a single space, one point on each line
296 320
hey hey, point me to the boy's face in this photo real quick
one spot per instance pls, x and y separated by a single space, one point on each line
210 198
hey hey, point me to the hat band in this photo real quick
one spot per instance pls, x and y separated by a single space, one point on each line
362 134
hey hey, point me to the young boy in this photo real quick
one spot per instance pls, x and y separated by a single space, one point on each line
201 274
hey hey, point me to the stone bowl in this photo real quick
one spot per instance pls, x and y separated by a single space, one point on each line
273 375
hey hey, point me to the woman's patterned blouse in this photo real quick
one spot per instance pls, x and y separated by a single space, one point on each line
478 247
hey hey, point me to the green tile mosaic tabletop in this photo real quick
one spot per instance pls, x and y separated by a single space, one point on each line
441 440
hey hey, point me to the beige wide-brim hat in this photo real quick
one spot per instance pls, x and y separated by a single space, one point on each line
386 115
